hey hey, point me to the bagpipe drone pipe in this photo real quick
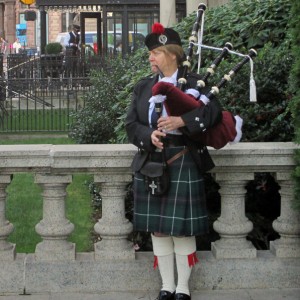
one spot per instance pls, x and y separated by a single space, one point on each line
178 102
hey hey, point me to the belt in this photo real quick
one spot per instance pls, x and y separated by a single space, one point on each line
176 156
157 156
173 140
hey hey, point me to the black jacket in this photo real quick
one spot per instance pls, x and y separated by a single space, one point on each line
196 121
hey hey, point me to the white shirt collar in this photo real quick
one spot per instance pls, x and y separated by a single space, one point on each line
172 79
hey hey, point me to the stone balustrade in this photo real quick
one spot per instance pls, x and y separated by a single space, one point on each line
233 261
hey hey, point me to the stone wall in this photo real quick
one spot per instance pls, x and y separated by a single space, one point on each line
232 263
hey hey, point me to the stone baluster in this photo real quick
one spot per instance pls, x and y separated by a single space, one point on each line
233 226
113 227
7 250
54 228
288 223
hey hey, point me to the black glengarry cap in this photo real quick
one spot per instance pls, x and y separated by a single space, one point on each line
161 36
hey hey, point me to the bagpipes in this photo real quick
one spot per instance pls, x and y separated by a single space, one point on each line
179 102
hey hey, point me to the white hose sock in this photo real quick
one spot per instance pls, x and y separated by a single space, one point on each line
163 249
185 250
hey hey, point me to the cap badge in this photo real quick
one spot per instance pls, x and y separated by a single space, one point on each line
162 39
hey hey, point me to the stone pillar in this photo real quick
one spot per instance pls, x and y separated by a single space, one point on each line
167 12
1 19
7 250
192 6
233 226
113 227
214 3
54 228
10 21
288 224
43 36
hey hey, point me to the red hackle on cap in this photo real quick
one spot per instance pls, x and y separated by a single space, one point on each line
158 28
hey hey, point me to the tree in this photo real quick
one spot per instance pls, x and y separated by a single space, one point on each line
294 86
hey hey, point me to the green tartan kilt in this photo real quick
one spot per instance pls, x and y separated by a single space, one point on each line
182 211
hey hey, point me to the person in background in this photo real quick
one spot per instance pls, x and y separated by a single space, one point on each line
72 51
4 45
17 46
74 39
177 217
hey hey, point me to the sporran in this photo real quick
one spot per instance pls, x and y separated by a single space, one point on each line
157 178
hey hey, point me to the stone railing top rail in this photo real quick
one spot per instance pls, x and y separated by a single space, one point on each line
61 158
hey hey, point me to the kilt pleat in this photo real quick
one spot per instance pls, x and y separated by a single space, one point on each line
182 211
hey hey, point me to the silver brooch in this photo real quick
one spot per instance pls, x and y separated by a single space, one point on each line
162 39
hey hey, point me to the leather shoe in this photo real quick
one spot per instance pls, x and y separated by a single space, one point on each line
165 295
180 296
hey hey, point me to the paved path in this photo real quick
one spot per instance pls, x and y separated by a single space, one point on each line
246 294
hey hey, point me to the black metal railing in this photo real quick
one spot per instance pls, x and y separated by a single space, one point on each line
39 92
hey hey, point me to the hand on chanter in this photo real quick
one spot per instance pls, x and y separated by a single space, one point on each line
156 138
169 123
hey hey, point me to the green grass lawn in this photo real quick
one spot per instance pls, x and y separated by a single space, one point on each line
24 205
35 139
37 120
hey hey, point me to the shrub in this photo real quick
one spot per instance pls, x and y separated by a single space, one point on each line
264 28
294 87
53 48
96 122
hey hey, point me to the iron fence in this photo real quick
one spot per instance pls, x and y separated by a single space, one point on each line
39 93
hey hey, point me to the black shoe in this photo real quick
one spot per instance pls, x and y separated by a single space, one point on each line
165 295
180 296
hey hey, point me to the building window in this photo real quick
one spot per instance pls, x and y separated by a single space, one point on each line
22 18
67 21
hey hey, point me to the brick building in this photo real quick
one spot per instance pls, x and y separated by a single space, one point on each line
13 15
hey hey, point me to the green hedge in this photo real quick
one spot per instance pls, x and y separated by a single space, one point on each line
294 86
264 27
